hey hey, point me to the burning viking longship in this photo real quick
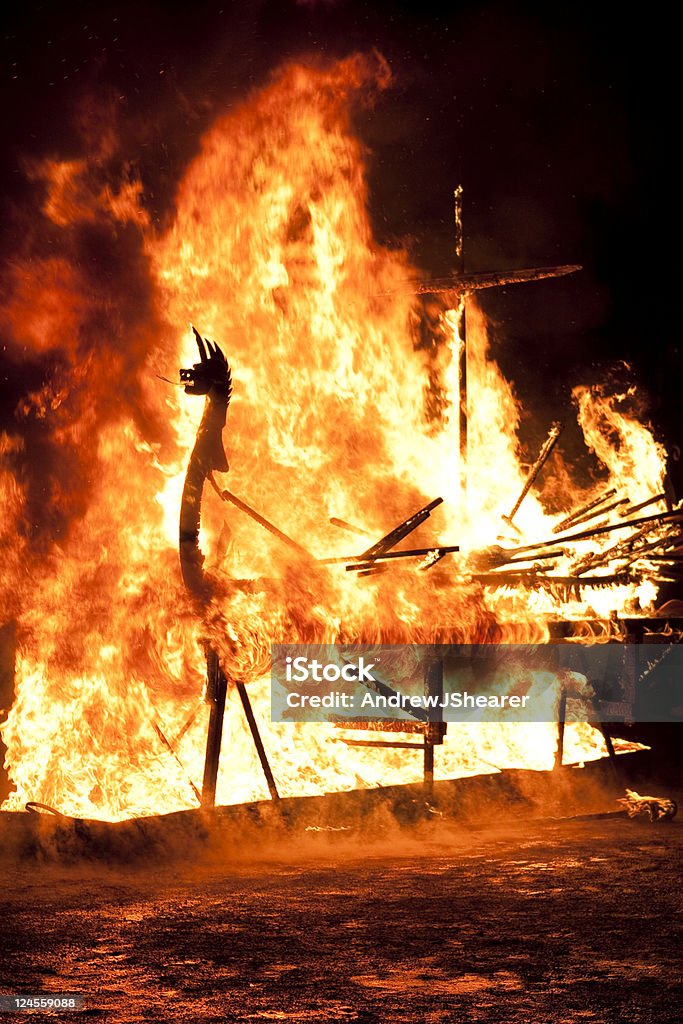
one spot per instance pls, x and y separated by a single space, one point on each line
211 376
356 399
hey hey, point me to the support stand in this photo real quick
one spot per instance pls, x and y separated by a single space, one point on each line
216 691
432 732
258 743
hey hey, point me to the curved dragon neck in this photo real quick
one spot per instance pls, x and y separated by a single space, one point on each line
207 455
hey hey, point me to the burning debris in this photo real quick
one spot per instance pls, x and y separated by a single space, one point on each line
656 808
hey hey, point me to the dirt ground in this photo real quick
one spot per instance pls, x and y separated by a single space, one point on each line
544 923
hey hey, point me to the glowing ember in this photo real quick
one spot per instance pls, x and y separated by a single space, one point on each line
336 413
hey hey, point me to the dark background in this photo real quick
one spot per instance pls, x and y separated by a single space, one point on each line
560 120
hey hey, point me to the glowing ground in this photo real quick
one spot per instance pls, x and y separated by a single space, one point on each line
577 921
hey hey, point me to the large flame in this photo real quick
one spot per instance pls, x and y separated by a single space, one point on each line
337 411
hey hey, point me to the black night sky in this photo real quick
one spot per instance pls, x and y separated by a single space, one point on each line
558 119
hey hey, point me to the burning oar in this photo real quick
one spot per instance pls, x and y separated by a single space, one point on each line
581 514
531 579
401 531
597 531
363 561
494 556
381 550
543 456
343 525
228 496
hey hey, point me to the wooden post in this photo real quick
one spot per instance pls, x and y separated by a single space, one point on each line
216 690
561 716
633 638
610 748
433 730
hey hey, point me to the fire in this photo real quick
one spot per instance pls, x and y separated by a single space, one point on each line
336 412
623 445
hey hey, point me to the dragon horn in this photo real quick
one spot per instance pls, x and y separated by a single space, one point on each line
200 344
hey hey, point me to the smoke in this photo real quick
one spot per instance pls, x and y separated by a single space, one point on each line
78 321
394 822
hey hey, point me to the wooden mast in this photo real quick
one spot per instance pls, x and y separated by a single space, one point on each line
462 351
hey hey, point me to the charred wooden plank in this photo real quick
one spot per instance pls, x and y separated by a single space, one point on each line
367 561
398 744
373 725
466 283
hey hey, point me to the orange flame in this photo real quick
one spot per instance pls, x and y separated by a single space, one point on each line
336 412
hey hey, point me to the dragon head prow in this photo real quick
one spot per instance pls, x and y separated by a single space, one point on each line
211 372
